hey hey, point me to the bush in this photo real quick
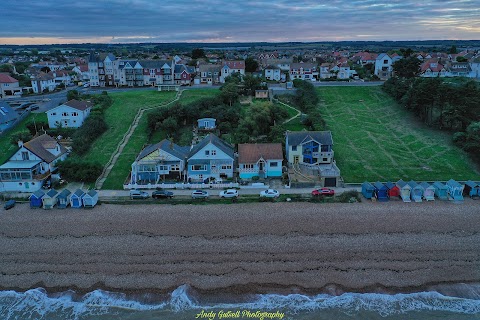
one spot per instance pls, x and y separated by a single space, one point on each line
92 128
79 170
347 196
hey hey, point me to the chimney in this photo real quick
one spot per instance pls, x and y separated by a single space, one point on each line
20 143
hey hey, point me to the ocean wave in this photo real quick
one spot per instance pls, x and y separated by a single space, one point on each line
37 304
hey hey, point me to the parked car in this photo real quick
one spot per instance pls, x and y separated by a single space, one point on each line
162 194
199 194
269 193
138 194
323 191
9 204
86 85
229 193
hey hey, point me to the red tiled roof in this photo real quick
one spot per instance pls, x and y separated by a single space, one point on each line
5 78
239 64
251 153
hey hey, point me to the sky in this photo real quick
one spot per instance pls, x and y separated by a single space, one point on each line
212 21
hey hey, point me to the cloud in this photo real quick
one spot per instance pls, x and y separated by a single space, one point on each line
240 21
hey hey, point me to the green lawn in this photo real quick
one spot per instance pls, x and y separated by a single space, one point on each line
7 148
376 139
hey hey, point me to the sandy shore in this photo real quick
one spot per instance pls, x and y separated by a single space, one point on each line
241 247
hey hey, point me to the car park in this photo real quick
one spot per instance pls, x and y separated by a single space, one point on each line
269 193
158 194
138 194
199 194
323 192
229 193
9 204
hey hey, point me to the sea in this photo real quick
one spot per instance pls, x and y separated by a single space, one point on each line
185 303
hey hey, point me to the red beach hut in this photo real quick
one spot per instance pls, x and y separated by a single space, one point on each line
393 190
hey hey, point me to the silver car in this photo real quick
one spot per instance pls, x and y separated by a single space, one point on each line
229 193
199 194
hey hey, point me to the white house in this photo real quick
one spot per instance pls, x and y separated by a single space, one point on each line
8 86
303 71
231 67
383 66
43 81
71 114
31 165
272 73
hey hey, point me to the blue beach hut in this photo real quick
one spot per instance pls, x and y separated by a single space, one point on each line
90 199
381 191
455 190
441 190
50 199
471 189
428 191
405 190
416 192
367 190
36 199
76 199
64 198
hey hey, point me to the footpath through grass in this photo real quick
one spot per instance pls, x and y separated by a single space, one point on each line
376 139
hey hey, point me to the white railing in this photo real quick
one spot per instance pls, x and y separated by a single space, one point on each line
181 186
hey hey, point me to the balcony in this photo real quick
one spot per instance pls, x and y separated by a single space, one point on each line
42 176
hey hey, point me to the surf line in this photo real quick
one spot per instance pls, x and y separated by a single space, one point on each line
239 314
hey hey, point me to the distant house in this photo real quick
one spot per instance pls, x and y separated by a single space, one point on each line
231 67
312 151
383 66
459 69
81 72
261 94
8 86
273 73
71 114
263 160
183 74
209 74
206 124
211 158
31 165
164 160
431 68
43 82
8 116
303 71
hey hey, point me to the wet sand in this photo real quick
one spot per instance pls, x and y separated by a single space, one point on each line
242 248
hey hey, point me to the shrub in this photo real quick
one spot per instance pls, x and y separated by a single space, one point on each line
79 170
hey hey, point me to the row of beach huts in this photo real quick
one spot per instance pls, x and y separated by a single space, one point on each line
53 198
417 192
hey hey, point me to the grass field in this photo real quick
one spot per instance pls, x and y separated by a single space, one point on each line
376 139
139 138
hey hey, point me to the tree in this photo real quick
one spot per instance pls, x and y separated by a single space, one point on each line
251 84
170 125
73 95
198 53
461 59
6 68
453 49
229 92
407 67
251 65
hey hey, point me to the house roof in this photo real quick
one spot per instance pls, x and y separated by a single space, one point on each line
42 76
238 64
7 113
252 152
40 144
6 78
296 138
303 65
92 193
65 193
216 141
38 194
79 105
209 68
167 146
52 193
382 56
78 193
380 186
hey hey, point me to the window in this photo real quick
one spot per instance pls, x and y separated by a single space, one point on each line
248 166
226 167
325 159
162 168
294 148
25 156
54 114
273 164
207 152
385 61
74 114
65 114
214 152
199 167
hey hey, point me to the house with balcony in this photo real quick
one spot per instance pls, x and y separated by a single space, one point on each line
303 71
211 158
31 165
383 66
159 162
263 160
71 114
311 152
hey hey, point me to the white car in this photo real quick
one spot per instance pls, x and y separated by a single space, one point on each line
229 193
199 194
269 193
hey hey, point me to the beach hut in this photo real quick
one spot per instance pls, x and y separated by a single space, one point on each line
76 199
405 190
393 190
428 191
416 192
471 189
455 190
441 190
381 191
50 199
367 190
90 199
36 199
64 198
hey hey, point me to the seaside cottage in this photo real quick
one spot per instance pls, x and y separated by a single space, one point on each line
441 190
455 190
368 190
393 190
76 199
381 191
50 199
429 191
416 192
36 199
471 189
405 190
263 160
64 198
90 199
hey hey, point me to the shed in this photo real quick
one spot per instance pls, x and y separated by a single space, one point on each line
381 191
416 192
471 189
455 190
50 199
393 190
405 190
36 199
64 198
367 190
90 199
429 191
76 199
441 190
206 123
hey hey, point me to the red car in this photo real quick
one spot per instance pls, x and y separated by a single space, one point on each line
323 191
